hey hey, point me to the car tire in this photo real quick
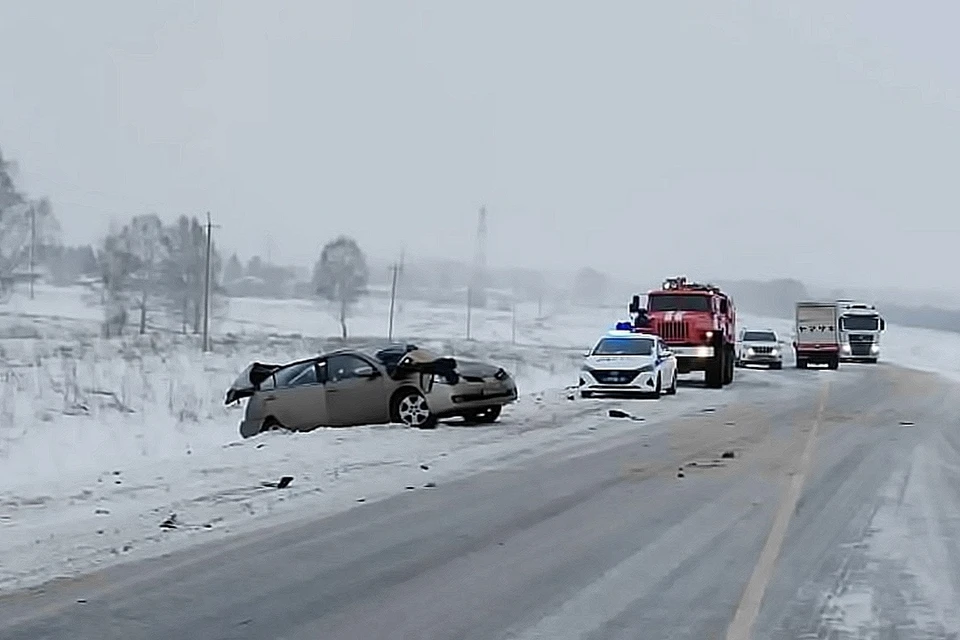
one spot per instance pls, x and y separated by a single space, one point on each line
658 390
672 389
270 424
410 409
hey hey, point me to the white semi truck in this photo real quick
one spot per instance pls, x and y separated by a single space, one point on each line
860 328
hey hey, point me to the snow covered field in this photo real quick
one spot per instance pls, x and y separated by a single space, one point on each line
118 449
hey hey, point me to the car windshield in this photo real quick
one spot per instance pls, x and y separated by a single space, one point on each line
861 323
678 302
759 336
624 347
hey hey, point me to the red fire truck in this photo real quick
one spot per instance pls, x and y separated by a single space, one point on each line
698 322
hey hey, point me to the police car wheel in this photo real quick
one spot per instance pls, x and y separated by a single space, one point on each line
672 389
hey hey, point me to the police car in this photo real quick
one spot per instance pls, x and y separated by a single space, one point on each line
629 360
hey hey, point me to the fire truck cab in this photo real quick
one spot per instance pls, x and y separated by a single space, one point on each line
698 322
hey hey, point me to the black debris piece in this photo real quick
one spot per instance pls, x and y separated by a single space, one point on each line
425 467
680 474
728 455
101 512
409 487
170 523
284 482
430 485
618 413
906 423
361 499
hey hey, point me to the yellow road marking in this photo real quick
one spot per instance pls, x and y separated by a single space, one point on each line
741 627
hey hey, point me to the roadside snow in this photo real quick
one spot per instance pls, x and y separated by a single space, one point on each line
102 441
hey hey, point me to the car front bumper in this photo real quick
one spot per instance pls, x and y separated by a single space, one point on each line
697 352
645 382
761 358
451 400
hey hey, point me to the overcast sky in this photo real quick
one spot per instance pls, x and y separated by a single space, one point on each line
818 139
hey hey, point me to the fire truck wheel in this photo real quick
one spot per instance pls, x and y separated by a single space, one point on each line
717 367
728 370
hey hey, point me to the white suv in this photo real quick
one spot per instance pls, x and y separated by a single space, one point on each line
759 346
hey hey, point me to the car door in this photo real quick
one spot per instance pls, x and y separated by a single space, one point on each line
297 399
356 391
668 366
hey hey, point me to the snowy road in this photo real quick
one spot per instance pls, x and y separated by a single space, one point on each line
838 517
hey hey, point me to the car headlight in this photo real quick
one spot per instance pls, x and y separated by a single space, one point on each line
750 351
708 335
845 348
874 348
775 352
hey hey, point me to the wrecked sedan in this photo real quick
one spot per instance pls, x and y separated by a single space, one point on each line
401 383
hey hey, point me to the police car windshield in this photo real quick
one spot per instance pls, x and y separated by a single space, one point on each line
624 347
678 302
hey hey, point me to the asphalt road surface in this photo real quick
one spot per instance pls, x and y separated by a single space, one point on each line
838 517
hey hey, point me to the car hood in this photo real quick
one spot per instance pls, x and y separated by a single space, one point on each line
423 361
248 382
474 371
618 362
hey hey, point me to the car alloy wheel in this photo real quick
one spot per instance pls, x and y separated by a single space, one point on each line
414 412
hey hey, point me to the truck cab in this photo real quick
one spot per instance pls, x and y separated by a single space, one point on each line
861 326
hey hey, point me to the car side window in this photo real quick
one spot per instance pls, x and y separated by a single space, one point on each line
342 367
305 377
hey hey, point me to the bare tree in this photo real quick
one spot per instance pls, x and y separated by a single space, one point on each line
341 276
143 240
184 271
116 266
22 222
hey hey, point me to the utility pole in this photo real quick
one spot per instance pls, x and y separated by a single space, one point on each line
393 297
206 286
33 244
469 308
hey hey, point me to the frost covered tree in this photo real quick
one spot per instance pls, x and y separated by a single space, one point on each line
233 271
589 286
132 260
143 238
185 264
20 219
116 265
341 276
